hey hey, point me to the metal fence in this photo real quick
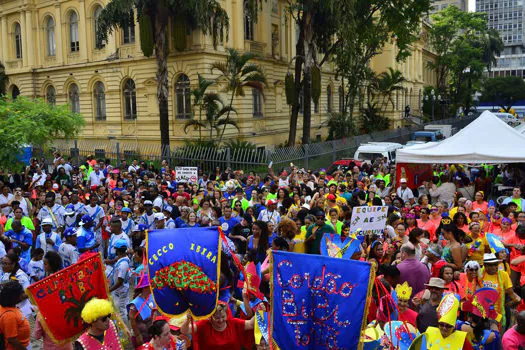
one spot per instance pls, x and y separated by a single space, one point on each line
314 155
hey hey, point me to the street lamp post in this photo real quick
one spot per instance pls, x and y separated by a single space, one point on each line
432 98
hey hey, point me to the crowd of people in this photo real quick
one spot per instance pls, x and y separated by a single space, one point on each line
450 262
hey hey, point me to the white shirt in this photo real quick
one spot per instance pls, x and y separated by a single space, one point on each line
273 216
36 270
133 168
67 168
95 179
121 270
159 202
5 200
68 253
405 194
114 238
58 212
39 179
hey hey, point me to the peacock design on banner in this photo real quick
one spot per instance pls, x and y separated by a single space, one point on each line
183 275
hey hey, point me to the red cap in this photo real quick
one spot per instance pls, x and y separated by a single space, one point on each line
330 197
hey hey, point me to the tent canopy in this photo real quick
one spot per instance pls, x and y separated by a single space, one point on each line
486 140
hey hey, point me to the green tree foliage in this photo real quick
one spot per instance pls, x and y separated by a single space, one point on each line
372 120
3 80
340 125
385 85
236 75
503 91
375 24
213 113
33 122
206 15
465 47
318 22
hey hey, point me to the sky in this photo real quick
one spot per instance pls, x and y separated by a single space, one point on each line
472 5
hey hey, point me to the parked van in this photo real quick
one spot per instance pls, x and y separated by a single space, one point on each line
373 150
427 136
446 129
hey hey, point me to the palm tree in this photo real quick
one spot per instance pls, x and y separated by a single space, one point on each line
154 17
493 47
3 80
387 83
237 74
216 113
198 102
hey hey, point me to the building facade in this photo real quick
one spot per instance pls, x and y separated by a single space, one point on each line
50 50
507 17
438 5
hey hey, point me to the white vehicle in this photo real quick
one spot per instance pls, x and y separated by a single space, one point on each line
506 117
413 143
373 150
446 129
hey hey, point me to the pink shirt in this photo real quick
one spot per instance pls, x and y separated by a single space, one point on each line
48 344
512 340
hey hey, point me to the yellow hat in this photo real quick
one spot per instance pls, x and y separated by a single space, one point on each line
404 291
95 309
448 309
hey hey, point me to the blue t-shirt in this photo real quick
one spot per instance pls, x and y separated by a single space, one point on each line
85 239
227 225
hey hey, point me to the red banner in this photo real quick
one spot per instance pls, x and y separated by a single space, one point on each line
61 297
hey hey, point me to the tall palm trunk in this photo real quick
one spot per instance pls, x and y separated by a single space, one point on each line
292 133
161 53
309 62
227 116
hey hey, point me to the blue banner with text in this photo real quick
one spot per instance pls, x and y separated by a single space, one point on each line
318 302
183 269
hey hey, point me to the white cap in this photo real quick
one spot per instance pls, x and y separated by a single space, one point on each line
47 221
159 216
148 202
403 181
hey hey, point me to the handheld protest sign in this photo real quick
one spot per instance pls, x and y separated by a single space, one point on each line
184 270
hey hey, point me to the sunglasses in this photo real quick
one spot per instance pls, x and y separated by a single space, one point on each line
105 318
474 269
444 325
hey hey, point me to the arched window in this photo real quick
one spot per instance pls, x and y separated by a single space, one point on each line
329 99
99 93
50 36
51 95
15 92
128 30
99 43
248 23
73 32
183 93
18 40
74 98
257 108
130 100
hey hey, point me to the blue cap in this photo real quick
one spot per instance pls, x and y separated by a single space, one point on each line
70 209
140 227
86 219
126 210
70 231
121 243
168 208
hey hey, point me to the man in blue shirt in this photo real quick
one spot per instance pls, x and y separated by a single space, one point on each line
86 240
23 238
227 221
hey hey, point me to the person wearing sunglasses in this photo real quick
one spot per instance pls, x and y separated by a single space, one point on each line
101 332
444 335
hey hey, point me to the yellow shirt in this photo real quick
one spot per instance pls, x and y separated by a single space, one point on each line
476 249
299 246
492 281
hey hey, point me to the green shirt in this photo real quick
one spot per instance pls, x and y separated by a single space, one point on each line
25 221
314 247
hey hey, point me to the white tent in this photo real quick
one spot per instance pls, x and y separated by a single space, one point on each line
487 139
